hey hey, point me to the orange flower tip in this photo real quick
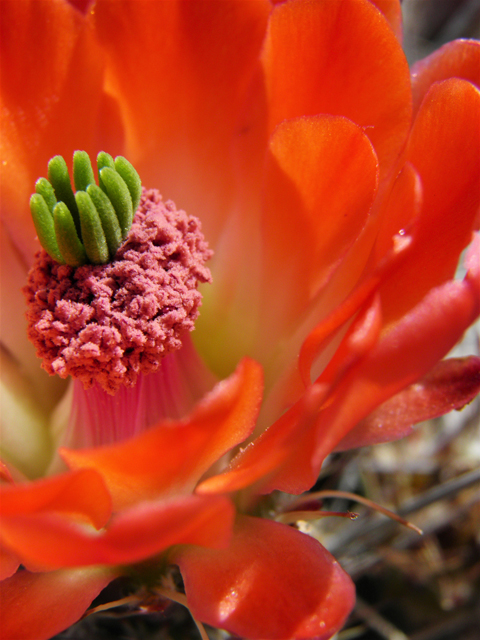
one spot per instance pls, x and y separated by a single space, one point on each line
111 320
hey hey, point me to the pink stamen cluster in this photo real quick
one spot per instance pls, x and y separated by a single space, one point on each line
106 324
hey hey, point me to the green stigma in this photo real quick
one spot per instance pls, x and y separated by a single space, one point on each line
89 225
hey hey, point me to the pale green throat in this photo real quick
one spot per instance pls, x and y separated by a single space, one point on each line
90 225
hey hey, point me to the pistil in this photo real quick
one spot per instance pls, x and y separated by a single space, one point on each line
107 325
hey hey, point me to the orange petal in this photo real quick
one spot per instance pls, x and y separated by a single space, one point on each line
170 458
444 148
52 101
51 542
36 606
450 385
320 182
81 493
180 70
457 59
272 582
338 58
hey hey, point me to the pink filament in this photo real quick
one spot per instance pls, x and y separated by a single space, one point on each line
98 418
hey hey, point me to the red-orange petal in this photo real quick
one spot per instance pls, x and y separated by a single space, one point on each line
52 101
320 335
269 453
457 59
402 355
339 58
407 352
272 459
320 182
180 71
36 606
171 457
444 148
399 212
451 384
271 582
50 541
80 493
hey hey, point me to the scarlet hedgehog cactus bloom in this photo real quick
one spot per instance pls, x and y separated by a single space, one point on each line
337 191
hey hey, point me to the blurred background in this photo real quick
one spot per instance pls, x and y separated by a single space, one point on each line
409 587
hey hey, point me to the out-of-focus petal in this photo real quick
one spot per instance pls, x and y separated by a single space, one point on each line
457 59
45 389
271 582
444 148
81 493
340 58
9 563
50 541
36 606
450 385
52 101
181 101
392 10
320 182
24 437
171 457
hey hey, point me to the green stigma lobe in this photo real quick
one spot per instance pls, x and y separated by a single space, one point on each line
131 179
44 226
104 160
120 197
92 232
45 189
69 244
108 217
90 225
82 170
60 181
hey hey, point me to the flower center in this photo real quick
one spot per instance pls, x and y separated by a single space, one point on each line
109 323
